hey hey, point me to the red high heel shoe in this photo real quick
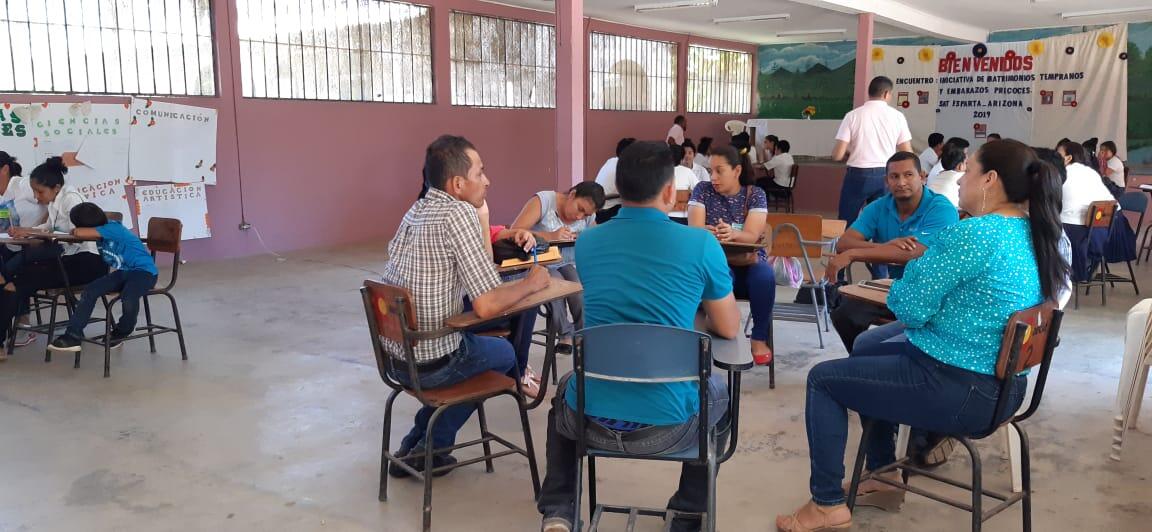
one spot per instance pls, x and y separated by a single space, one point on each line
762 359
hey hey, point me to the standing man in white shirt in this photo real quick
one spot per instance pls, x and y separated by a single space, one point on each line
931 155
676 132
868 136
1110 164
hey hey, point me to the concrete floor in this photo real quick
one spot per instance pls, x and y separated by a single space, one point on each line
274 424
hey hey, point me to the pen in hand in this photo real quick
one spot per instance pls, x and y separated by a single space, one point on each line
534 258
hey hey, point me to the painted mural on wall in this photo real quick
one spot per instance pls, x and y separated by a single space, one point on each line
795 76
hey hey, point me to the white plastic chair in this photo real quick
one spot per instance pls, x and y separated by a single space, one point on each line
1134 373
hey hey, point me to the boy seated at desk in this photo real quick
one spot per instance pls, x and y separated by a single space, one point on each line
894 229
671 270
132 273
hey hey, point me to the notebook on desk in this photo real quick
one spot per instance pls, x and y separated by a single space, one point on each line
553 254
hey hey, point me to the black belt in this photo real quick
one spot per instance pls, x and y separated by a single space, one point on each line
428 367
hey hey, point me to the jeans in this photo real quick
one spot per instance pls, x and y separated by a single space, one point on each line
757 284
891 381
476 355
44 272
575 303
132 285
859 185
558 493
853 317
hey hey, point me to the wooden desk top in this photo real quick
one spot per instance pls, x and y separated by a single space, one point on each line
557 289
867 294
832 229
742 246
521 267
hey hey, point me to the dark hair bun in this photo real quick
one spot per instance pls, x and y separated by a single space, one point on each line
56 164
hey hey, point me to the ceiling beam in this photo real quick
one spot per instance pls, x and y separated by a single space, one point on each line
903 16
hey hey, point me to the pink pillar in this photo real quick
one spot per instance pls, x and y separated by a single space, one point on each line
569 93
864 31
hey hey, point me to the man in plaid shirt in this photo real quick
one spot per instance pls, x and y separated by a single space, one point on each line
439 255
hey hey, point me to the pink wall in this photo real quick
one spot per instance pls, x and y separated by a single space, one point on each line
319 174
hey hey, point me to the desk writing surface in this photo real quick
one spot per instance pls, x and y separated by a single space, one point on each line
832 229
557 289
733 355
742 246
526 266
867 295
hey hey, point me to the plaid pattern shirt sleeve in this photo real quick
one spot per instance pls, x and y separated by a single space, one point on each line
477 272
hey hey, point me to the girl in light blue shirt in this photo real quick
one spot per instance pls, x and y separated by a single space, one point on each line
935 369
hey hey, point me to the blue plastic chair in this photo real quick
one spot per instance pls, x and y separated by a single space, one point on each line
639 353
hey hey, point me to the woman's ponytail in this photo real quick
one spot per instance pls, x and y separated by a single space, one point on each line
1044 201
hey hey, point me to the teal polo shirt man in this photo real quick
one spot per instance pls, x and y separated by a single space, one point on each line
892 230
641 267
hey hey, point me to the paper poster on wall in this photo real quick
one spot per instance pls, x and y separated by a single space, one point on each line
91 138
172 142
1037 91
185 202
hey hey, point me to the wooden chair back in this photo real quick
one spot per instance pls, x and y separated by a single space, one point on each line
786 244
391 315
1025 339
1100 214
792 174
682 197
164 235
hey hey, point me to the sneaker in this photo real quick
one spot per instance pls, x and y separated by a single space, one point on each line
556 524
936 453
24 338
117 340
65 343
415 459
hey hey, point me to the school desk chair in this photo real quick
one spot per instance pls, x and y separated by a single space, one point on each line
1029 340
1099 220
643 353
391 315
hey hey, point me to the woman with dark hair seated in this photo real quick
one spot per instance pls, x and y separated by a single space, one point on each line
735 210
554 216
935 368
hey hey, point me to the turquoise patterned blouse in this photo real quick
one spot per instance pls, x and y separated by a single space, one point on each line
956 299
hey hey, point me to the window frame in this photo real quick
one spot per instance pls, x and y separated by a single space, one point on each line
452 60
239 86
591 73
688 81
214 59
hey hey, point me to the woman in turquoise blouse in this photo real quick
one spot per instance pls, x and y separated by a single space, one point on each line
935 368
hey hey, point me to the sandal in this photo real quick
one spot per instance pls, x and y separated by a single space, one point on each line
530 383
762 359
791 523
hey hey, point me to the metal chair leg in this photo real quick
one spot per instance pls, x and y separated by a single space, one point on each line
51 329
1025 478
533 468
858 468
710 525
384 445
148 320
1132 275
977 484
484 434
176 320
107 340
428 454
591 487
772 363
577 525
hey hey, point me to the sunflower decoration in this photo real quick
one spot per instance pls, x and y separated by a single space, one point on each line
877 54
1036 48
925 55
1105 39
809 111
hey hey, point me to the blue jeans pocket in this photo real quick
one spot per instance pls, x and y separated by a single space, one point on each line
976 412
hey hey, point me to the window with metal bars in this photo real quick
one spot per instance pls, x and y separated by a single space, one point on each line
355 50
152 47
499 62
719 81
629 74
